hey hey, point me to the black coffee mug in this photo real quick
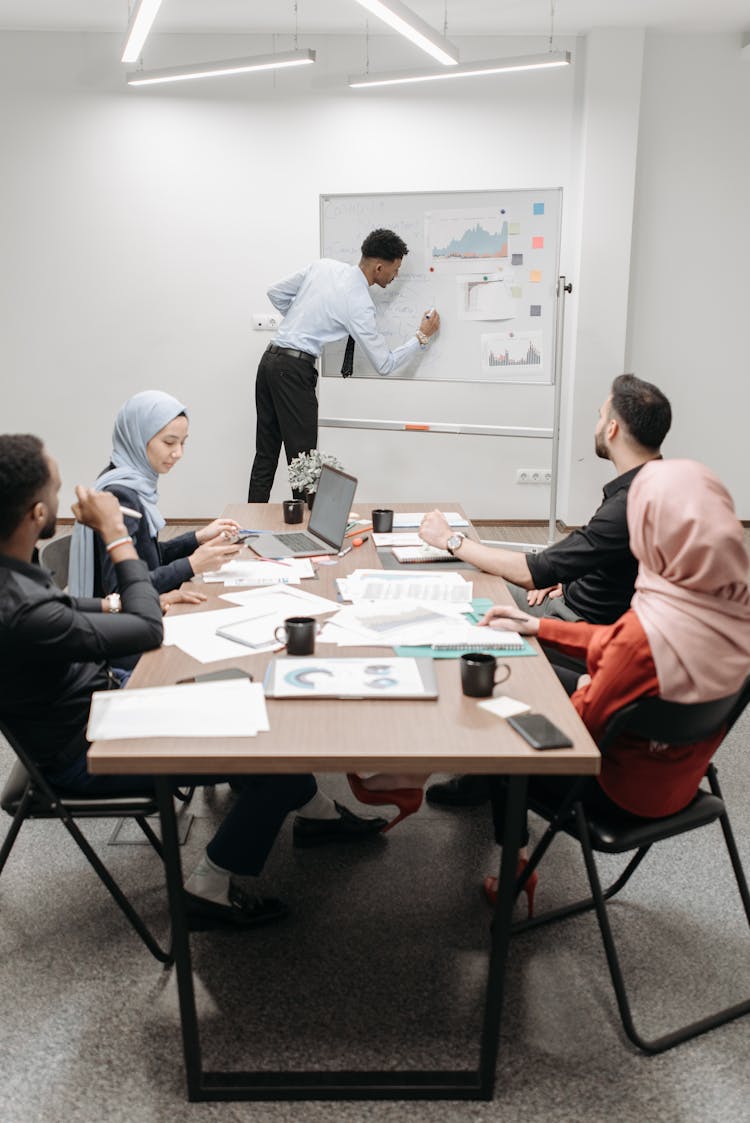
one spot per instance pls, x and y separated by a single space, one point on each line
478 674
298 633
294 509
382 521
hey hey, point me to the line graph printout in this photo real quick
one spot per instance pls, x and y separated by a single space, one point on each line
484 297
514 356
465 236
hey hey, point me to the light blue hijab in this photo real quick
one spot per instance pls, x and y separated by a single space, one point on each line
141 418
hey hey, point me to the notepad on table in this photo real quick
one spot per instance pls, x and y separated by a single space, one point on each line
471 637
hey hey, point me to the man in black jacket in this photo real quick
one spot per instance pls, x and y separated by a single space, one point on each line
590 574
56 650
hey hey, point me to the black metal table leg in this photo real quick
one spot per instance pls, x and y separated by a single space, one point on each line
501 932
180 938
439 1084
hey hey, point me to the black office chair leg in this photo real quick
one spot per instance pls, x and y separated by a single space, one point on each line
150 835
667 1040
734 857
164 957
15 827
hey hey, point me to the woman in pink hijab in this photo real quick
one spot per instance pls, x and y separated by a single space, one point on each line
685 638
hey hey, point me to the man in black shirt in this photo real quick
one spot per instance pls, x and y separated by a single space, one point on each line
56 650
590 574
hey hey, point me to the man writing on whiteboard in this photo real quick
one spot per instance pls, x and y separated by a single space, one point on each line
590 574
323 303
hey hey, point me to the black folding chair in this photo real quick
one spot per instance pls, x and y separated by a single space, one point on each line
668 723
28 795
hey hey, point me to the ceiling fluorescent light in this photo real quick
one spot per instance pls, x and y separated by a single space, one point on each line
407 23
141 19
466 70
225 66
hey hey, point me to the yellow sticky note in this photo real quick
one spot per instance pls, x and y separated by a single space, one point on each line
514 228
535 275
515 290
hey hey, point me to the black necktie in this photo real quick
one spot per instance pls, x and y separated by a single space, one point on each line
347 367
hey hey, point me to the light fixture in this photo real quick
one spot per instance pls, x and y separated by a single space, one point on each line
219 67
141 20
408 23
466 70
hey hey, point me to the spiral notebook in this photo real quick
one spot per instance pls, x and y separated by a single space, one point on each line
413 555
470 637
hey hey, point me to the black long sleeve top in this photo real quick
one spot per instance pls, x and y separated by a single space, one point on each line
55 651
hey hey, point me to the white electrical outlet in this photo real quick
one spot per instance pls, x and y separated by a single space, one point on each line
533 476
266 321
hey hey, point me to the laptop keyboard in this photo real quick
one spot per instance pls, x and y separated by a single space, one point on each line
299 542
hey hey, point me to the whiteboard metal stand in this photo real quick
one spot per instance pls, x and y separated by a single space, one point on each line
563 287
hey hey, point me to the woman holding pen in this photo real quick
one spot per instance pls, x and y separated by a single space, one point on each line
148 441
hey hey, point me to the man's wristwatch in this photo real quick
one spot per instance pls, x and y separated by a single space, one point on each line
454 542
114 604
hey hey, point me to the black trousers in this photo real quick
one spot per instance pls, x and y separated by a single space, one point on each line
286 410
248 831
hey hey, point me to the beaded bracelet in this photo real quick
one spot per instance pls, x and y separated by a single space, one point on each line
118 542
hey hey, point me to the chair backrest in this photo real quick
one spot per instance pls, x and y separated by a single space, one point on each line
676 723
24 759
55 556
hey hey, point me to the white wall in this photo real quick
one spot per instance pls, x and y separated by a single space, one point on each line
690 289
138 230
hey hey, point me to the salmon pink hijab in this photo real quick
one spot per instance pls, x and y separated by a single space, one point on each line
691 594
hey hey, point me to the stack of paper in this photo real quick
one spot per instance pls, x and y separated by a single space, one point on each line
378 584
404 519
386 624
231 708
261 572
195 632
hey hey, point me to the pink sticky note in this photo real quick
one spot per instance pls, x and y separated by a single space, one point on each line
537 243
535 275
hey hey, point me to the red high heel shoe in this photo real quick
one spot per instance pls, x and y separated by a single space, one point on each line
408 800
490 886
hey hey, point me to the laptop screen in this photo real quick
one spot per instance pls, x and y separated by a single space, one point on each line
333 501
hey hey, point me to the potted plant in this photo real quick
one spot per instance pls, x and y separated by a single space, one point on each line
304 473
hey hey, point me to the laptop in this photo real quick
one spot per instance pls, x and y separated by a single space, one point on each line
327 527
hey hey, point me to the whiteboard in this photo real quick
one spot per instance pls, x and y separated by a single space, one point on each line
487 260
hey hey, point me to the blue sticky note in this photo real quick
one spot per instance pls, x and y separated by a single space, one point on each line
538 208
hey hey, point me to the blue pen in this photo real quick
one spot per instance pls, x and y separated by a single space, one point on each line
245 530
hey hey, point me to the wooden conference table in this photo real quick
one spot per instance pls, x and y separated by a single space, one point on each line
451 734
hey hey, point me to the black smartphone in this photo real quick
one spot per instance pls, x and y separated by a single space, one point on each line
539 731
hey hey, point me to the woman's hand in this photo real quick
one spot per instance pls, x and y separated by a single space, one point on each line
508 618
179 596
213 554
227 527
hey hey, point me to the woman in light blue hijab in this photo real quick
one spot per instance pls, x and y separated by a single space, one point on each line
148 440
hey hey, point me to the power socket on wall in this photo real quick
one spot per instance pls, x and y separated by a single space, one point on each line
533 475
266 321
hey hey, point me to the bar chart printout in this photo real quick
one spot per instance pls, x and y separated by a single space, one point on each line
514 356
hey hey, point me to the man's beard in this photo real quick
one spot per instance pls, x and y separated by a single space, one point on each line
49 528
600 447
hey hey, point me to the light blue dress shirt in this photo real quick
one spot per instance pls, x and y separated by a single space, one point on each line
327 301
